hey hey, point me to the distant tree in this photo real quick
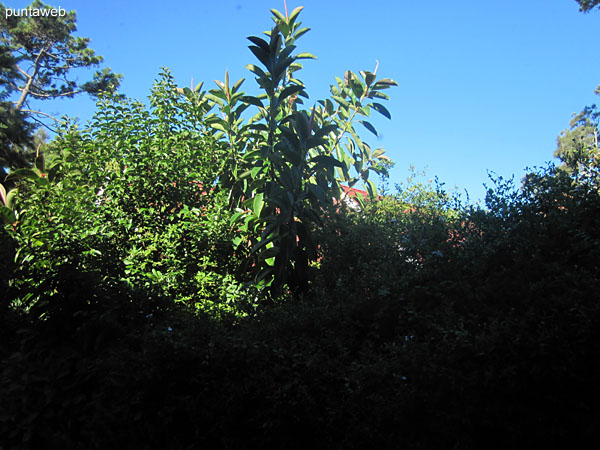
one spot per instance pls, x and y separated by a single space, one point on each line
15 138
38 54
44 53
578 146
587 5
15 131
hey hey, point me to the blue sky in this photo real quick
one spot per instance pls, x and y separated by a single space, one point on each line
483 85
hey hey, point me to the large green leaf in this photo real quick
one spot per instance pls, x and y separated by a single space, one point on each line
294 14
369 127
258 203
278 15
381 109
268 253
378 153
40 163
305 55
357 87
237 85
7 215
262 55
368 77
218 126
371 188
289 91
286 52
384 83
23 173
301 32
341 101
321 132
377 94
326 160
256 70
259 42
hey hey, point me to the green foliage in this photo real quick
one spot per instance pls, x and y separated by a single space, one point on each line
578 146
286 164
428 323
38 55
45 51
375 251
137 205
497 339
280 169
15 137
588 5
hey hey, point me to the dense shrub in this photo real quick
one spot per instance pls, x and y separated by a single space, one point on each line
132 198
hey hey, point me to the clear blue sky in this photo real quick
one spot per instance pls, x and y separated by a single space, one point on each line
483 85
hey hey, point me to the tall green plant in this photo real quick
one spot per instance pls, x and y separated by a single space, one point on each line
287 163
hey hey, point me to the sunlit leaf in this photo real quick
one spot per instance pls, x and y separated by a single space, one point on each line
371 188
348 75
237 85
305 55
377 153
294 14
258 203
218 126
256 70
377 94
283 27
341 101
301 32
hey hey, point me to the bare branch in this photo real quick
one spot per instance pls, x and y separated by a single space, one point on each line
64 94
48 127
22 71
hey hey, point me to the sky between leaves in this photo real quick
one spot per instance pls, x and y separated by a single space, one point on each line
483 85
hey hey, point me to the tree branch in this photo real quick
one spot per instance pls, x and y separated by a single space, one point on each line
22 71
64 94
35 119
25 91
32 111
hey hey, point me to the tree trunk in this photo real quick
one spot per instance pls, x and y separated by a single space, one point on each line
25 90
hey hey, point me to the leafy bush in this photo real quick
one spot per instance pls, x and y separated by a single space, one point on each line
133 198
